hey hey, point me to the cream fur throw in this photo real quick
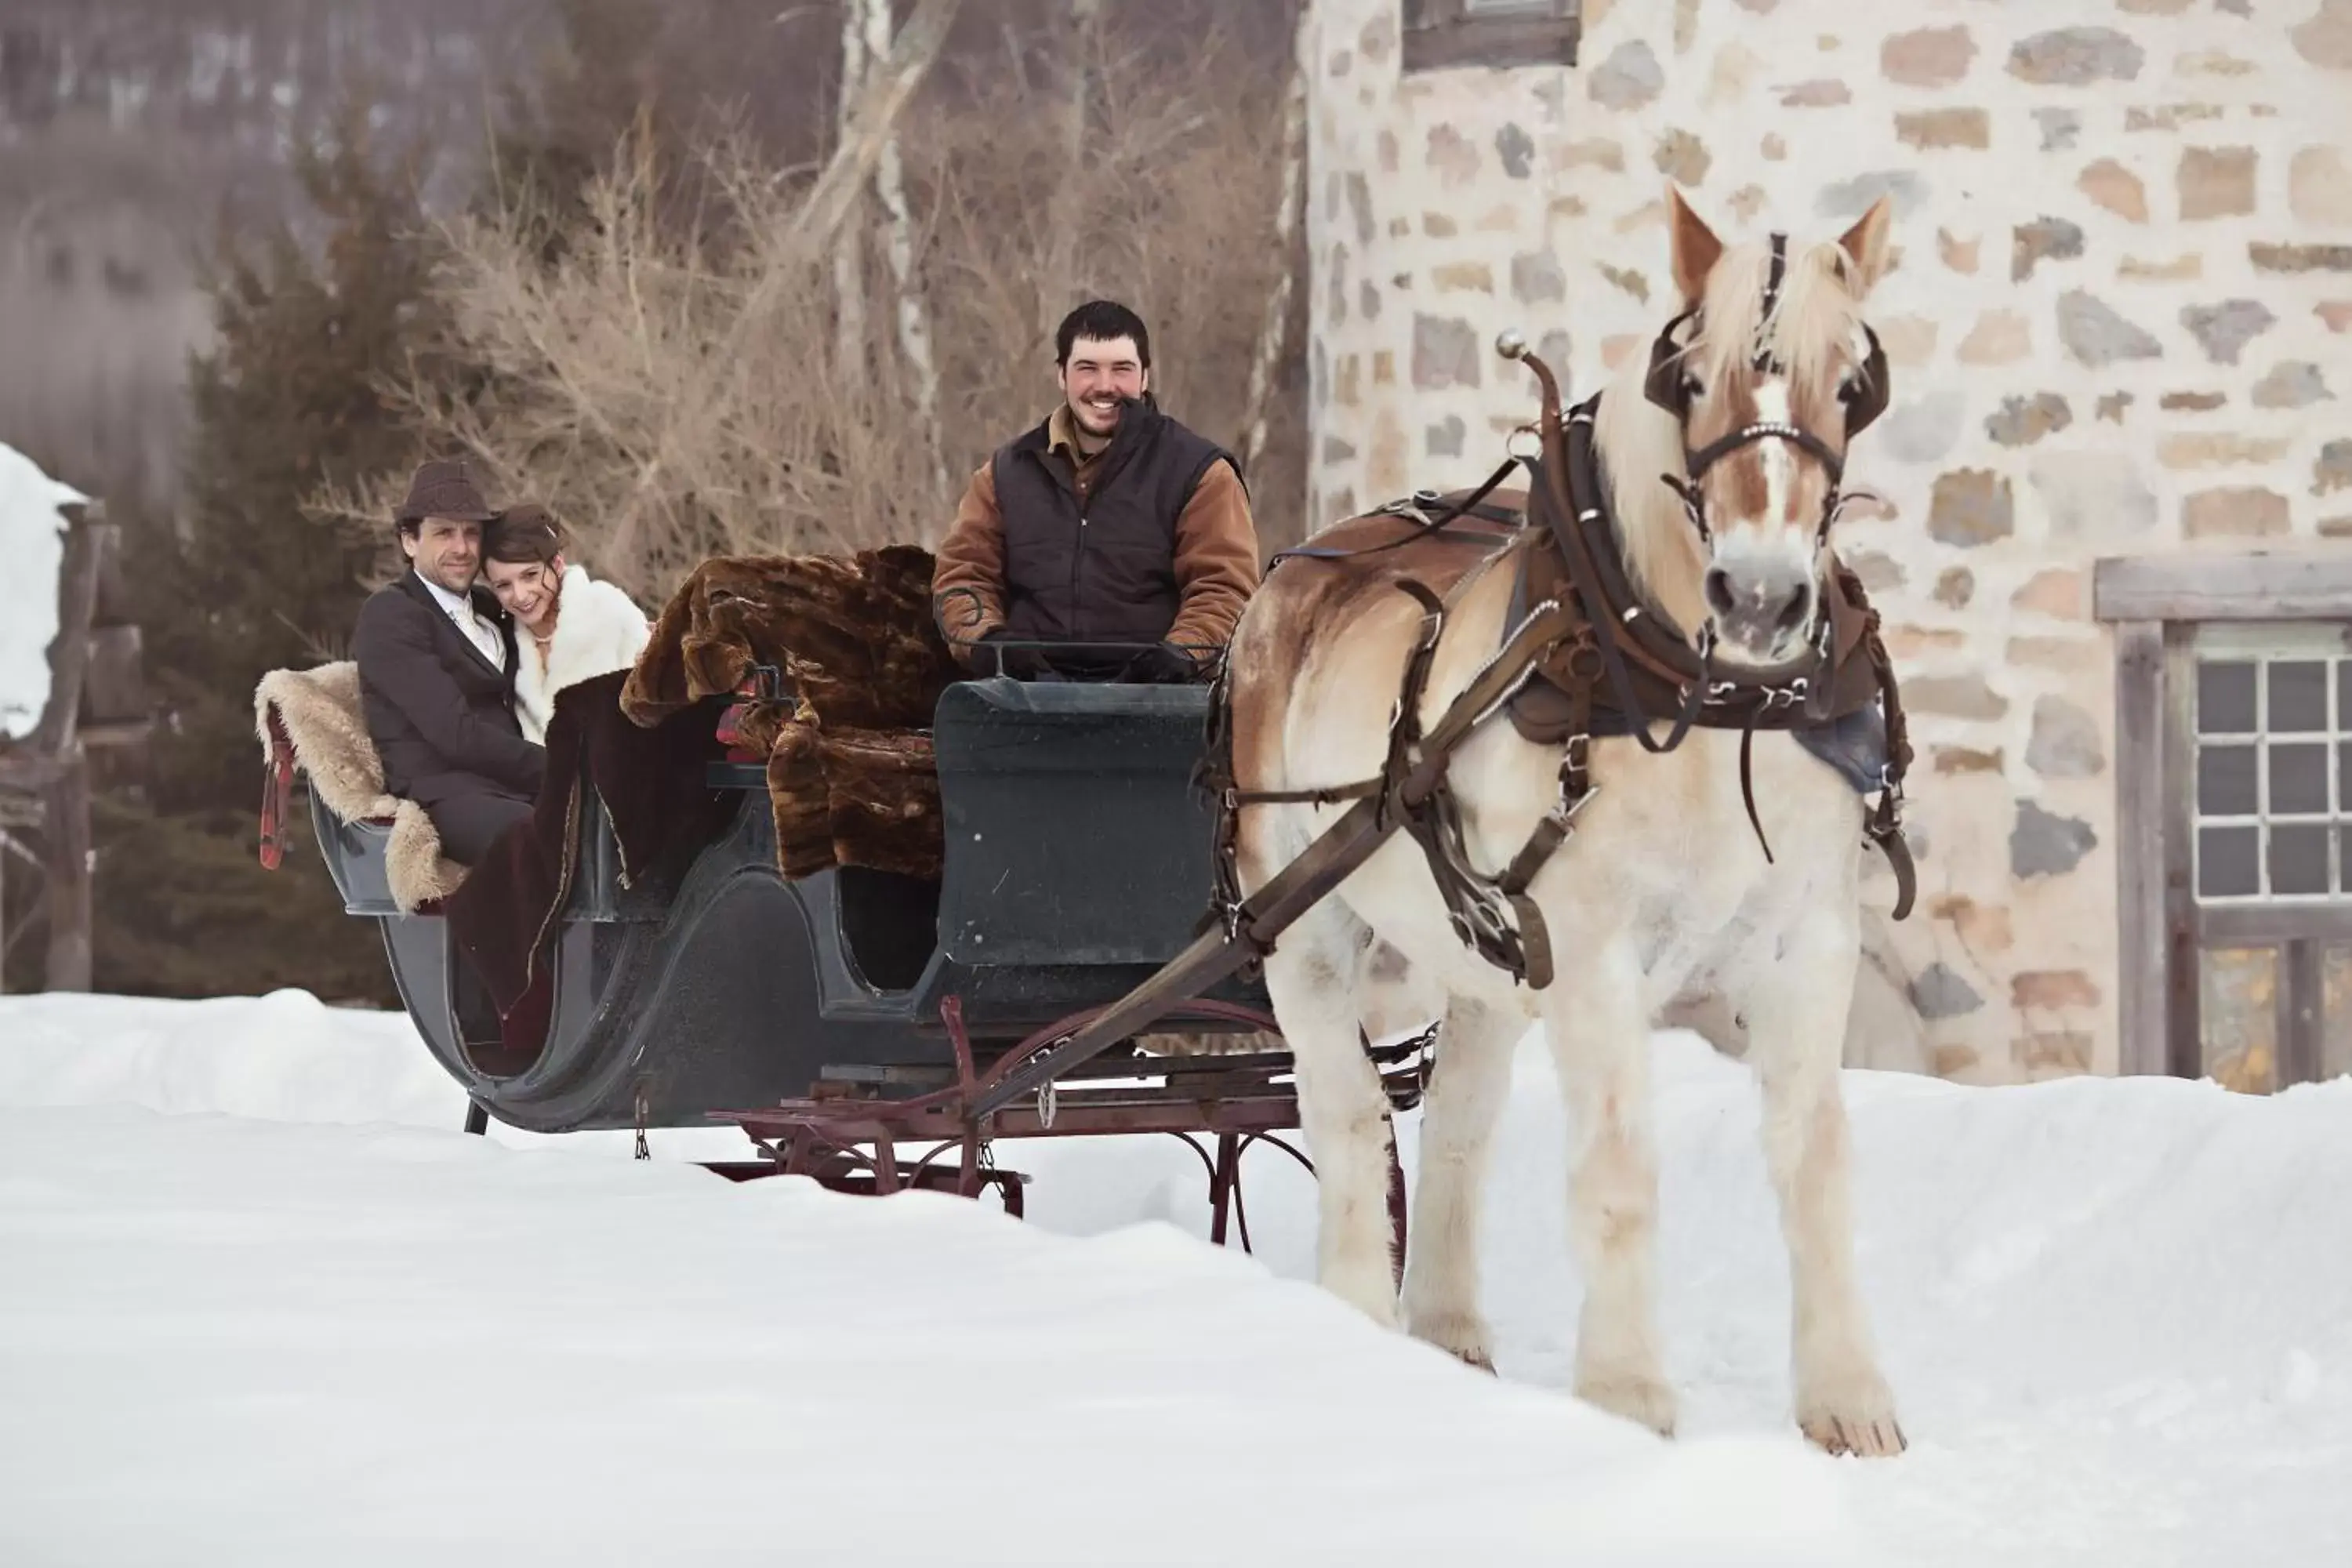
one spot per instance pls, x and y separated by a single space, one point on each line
320 711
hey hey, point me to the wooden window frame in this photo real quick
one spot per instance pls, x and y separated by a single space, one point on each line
2156 606
1441 34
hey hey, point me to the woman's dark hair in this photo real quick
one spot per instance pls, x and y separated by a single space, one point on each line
523 534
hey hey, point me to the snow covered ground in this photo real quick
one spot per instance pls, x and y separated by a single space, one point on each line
263 1304
32 543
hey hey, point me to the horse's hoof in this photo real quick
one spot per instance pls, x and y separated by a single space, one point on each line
1876 1439
1459 1335
1646 1401
1851 1412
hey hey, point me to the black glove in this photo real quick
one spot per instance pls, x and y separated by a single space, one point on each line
1166 665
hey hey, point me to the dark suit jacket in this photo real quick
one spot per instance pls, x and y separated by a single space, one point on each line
441 715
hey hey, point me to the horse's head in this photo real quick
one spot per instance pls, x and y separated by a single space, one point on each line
1770 371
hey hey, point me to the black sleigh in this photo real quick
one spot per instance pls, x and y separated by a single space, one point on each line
849 1018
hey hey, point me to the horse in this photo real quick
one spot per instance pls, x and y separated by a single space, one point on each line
1658 885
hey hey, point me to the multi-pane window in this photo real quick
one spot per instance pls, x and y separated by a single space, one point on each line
2274 760
2233 806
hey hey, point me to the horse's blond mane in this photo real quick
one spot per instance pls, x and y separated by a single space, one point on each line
1637 441
1812 327
1811 330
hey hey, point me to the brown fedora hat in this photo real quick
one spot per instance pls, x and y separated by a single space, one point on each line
443 488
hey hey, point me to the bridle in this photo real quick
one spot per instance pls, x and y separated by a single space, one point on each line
1670 387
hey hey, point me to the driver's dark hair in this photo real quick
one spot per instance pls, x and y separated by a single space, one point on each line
1102 320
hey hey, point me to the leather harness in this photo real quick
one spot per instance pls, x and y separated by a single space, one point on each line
1583 656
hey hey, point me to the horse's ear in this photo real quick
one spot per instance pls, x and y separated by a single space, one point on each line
1865 243
1695 248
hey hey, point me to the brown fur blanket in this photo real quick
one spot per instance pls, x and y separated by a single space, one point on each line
851 779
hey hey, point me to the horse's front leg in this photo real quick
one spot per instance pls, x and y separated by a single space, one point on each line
1599 1029
1466 1092
1311 976
1796 1003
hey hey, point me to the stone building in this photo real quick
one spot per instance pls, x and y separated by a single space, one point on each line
2119 467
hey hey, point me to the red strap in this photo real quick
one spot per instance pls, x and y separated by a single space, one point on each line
277 794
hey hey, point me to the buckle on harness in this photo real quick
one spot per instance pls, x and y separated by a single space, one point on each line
1484 926
1564 812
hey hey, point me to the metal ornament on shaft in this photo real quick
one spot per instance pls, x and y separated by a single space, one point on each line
1512 344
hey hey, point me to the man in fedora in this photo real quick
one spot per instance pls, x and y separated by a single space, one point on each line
436 662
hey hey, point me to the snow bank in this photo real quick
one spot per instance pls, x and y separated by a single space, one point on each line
2117 1316
32 545
235 1340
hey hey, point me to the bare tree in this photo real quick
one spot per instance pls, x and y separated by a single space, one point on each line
890 83
1275 330
913 313
676 386
849 252
1081 38
1167 207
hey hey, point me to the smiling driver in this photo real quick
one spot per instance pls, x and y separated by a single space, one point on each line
1108 524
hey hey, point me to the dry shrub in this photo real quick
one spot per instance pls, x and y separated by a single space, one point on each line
677 389
668 389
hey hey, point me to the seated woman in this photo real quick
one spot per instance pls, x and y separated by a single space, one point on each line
570 627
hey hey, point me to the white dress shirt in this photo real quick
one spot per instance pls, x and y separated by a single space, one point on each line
459 607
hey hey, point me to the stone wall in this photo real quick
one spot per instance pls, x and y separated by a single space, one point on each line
2117 324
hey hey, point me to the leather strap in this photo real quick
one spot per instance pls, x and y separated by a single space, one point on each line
277 792
1468 506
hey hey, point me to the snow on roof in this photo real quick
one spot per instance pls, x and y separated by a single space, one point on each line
32 549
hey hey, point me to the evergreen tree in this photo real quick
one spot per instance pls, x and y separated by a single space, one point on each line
284 404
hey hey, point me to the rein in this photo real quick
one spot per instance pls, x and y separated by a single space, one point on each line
1427 526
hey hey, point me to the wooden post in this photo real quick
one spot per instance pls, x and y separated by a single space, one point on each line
67 873
2140 990
2184 1004
2302 1000
56 740
87 544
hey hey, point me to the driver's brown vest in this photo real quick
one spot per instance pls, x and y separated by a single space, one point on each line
1102 569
